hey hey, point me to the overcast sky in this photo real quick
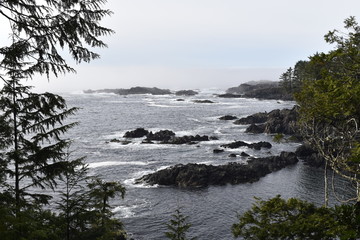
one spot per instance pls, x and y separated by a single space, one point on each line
181 44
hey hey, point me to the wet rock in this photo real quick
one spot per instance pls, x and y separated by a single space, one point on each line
162 135
201 175
137 133
188 139
123 142
203 101
244 154
256 146
218 150
253 119
227 117
310 156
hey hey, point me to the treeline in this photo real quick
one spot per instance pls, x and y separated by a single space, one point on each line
327 89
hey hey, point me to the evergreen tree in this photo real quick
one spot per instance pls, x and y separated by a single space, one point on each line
277 218
178 227
329 104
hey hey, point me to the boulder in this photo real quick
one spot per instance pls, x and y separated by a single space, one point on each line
253 119
235 144
255 128
162 135
218 150
137 133
203 101
256 146
259 145
310 156
227 117
201 175
277 121
244 154
187 139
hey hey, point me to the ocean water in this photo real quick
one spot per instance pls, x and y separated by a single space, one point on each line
146 210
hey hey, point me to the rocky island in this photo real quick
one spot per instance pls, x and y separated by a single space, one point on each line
200 175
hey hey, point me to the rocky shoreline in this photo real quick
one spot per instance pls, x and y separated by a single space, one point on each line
201 175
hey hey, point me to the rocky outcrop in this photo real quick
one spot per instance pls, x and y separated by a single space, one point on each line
165 137
260 90
230 95
277 121
201 175
253 119
137 133
227 117
310 156
133 90
203 101
162 136
256 146
188 139
186 93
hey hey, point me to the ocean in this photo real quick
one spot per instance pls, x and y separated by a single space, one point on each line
146 210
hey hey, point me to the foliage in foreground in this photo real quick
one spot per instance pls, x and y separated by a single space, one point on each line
178 227
296 219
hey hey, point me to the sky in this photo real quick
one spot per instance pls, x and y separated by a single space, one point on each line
190 44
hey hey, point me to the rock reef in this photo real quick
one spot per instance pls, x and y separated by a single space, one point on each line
200 175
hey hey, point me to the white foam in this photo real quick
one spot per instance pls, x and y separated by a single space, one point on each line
113 163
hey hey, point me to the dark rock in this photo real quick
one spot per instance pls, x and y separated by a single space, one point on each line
255 128
146 141
180 100
162 135
227 117
186 93
218 150
134 90
252 119
259 145
188 139
123 142
137 133
232 155
277 121
235 144
230 95
201 175
256 146
244 154
310 156
260 90
213 138
203 101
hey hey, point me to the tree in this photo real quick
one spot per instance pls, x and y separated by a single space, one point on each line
329 109
39 30
178 227
32 125
103 225
290 219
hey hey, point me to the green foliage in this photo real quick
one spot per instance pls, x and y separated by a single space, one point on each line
278 138
39 31
33 151
290 219
178 227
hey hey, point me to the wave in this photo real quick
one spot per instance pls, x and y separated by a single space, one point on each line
113 163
